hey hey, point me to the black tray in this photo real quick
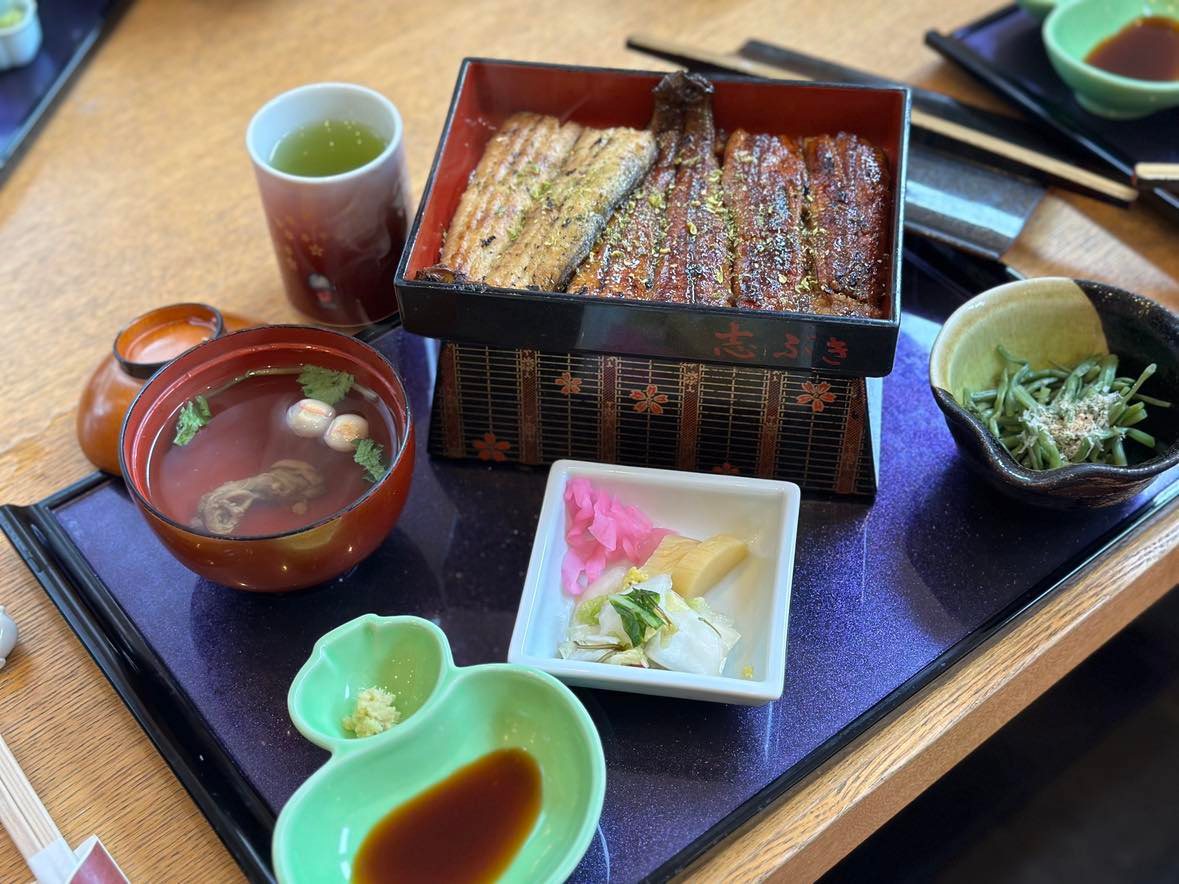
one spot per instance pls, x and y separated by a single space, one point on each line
71 29
1004 51
886 597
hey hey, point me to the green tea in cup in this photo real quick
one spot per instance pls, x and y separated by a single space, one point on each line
328 147
330 165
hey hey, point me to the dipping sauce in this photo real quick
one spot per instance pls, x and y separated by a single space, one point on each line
1145 49
467 828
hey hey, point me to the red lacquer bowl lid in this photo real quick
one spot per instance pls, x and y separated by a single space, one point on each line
140 349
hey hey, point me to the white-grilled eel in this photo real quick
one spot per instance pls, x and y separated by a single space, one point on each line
519 162
570 212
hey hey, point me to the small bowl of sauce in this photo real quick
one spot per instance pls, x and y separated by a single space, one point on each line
1145 49
489 806
488 773
1120 57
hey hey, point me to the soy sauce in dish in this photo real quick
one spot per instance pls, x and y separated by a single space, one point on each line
467 828
1145 49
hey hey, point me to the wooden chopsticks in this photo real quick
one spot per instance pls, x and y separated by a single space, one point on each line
21 812
1157 175
975 139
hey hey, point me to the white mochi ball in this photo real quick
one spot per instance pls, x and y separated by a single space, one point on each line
345 431
310 418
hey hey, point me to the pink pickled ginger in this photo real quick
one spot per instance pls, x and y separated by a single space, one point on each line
601 532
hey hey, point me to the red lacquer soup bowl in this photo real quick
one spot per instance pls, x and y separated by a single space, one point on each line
294 559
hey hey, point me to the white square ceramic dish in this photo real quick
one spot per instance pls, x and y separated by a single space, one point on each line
755 595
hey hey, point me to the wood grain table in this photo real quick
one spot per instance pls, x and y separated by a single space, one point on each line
138 192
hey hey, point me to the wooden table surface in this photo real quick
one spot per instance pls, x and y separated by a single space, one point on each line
138 192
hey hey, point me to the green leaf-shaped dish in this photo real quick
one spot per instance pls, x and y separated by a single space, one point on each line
451 716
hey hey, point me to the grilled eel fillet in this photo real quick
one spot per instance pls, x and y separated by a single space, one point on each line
847 216
764 184
622 264
518 162
565 221
694 262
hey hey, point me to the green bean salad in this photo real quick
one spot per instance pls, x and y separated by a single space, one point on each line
1056 416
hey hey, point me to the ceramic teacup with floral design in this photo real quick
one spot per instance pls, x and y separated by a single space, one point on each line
337 237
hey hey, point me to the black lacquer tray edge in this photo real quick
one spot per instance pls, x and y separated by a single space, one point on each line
953 48
236 812
810 763
174 725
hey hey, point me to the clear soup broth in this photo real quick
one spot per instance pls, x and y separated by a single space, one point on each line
245 472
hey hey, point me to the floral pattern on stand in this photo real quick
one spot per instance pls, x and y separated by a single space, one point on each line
568 384
810 427
491 448
816 394
649 399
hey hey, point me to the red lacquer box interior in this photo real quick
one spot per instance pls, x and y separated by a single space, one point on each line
488 91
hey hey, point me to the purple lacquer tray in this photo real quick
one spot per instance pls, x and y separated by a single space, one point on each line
886 596
1005 51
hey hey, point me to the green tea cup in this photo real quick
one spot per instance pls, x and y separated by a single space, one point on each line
451 716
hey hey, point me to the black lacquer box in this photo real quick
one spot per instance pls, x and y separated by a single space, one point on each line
488 91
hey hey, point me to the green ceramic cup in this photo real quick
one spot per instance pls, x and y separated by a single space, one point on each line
1071 31
451 716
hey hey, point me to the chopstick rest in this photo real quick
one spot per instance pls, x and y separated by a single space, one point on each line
8 636
36 836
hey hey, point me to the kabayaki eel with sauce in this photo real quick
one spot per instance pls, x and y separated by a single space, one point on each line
676 212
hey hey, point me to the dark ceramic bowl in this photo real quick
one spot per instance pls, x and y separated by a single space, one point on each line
293 559
1061 320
